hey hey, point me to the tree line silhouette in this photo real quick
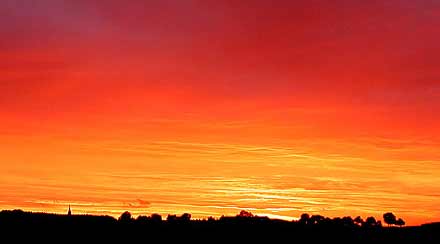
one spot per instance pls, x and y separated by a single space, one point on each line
245 226
370 222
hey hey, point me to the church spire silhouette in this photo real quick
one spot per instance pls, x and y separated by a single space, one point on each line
69 213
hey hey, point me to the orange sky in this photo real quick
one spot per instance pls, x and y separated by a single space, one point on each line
188 106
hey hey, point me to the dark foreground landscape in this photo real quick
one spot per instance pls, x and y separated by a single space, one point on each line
19 226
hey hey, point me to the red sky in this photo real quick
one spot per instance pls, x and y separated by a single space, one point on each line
278 107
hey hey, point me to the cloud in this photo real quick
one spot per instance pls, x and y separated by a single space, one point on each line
139 203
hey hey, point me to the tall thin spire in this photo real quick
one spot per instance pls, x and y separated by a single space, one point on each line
69 213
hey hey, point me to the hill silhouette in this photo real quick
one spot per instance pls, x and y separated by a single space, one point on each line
244 227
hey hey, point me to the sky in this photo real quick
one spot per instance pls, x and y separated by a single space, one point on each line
210 107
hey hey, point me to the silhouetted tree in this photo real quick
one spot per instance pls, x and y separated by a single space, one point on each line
186 217
156 218
304 219
245 214
142 219
125 217
400 222
171 218
358 221
211 219
379 223
316 219
347 221
371 222
389 218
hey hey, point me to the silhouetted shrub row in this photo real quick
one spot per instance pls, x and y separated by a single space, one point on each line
244 226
